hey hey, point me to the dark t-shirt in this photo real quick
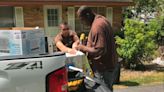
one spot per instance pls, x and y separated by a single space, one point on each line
101 37
67 41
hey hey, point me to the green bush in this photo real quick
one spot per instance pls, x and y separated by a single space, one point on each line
138 43
160 35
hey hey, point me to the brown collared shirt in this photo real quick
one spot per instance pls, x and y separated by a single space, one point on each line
101 37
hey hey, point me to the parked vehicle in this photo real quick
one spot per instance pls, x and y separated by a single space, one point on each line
36 73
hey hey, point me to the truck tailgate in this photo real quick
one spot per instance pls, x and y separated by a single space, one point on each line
28 73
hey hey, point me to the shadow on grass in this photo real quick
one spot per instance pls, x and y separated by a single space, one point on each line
128 83
156 67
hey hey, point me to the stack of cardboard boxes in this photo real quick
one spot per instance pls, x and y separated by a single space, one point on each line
22 41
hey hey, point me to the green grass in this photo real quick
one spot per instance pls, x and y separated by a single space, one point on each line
137 78
149 79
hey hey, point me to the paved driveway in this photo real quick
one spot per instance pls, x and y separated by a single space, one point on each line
152 88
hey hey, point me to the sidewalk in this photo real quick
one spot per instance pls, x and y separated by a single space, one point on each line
151 88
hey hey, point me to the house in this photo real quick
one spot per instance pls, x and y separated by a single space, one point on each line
48 14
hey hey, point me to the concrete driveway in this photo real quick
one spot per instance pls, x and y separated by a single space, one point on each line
152 88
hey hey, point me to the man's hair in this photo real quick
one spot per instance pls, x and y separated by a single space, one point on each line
87 14
84 11
64 23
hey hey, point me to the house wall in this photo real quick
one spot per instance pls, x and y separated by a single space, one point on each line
33 16
117 18
64 14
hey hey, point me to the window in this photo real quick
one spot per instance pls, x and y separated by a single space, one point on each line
52 16
6 16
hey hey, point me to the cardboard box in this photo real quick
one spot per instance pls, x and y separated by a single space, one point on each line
22 42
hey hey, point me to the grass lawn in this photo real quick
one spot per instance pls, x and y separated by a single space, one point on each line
137 78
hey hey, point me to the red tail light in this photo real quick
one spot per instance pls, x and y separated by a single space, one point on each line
57 81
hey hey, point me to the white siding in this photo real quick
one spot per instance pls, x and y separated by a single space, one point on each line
109 14
71 17
19 19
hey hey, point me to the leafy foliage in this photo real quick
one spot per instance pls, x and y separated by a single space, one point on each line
139 42
146 8
146 5
160 35
141 38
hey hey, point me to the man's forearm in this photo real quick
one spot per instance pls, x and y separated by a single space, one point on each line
90 50
75 44
62 47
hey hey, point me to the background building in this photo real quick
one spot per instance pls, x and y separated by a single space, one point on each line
48 14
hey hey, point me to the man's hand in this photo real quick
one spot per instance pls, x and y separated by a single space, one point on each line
80 47
75 44
72 51
85 49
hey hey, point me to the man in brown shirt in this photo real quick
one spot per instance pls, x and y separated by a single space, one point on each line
100 46
66 40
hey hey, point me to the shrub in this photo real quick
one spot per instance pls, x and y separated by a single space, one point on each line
138 43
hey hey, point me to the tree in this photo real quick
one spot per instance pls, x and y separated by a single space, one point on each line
143 31
145 8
